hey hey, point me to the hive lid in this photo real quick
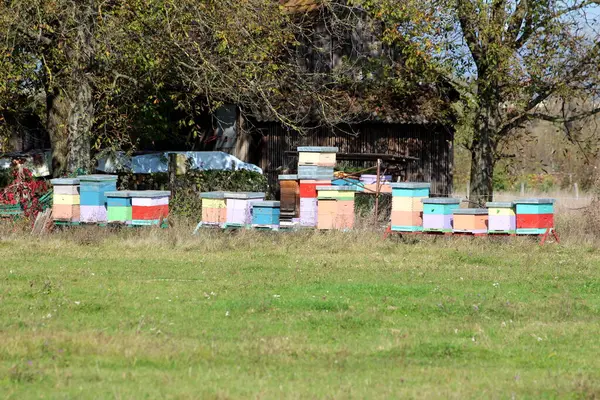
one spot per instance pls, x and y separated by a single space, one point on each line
97 178
149 193
440 200
64 181
244 195
288 177
499 204
310 177
316 149
212 195
535 201
335 188
267 204
410 185
470 211
118 193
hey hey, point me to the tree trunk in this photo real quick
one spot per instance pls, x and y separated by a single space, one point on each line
483 160
80 128
57 125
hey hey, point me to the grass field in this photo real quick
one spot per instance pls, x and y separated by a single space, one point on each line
166 315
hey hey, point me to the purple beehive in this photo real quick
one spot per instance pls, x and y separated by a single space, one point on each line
239 207
309 212
502 217
90 214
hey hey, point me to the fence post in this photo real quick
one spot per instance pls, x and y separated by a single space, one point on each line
522 189
576 187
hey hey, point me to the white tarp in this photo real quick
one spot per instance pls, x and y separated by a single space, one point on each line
159 162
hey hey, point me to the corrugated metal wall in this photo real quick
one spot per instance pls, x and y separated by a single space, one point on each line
432 145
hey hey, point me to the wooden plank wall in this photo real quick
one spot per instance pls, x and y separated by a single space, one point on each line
432 145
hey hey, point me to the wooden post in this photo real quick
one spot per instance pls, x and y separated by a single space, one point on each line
576 187
522 189
377 189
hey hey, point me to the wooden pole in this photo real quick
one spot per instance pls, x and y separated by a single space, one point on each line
377 189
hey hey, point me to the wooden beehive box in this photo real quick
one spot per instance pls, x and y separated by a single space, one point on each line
289 197
239 207
119 207
266 214
93 190
407 206
438 214
317 156
470 220
534 216
502 217
149 207
335 207
214 208
66 200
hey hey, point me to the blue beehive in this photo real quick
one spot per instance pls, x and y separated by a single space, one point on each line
265 214
93 188
410 189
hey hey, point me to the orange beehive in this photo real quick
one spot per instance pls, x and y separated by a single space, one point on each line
470 220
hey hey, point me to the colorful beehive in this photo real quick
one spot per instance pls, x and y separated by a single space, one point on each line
355 183
317 156
313 172
502 217
289 197
407 208
308 201
93 190
214 208
335 207
239 207
437 214
66 206
470 220
119 207
534 216
265 214
149 207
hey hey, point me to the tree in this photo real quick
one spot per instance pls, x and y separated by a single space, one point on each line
507 58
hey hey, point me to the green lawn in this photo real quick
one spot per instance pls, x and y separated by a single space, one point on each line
167 315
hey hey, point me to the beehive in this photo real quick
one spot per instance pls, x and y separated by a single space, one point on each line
149 207
93 190
407 208
239 207
308 211
289 197
357 186
314 172
214 208
66 200
265 214
317 156
119 207
335 207
470 220
502 217
437 214
534 216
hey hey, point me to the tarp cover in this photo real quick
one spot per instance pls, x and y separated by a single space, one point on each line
159 162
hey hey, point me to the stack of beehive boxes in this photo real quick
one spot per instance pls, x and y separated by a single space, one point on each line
66 205
214 208
118 205
335 207
289 198
470 220
239 208
149 207
315 168
266 214
407 206
534 216
502 217
437 214
93 190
